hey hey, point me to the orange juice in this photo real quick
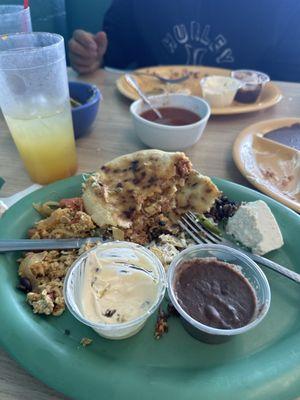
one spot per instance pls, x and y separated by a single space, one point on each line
46 145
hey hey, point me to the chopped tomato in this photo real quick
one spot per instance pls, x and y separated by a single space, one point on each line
75 203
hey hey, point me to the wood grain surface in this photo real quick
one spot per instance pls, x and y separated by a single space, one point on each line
112 135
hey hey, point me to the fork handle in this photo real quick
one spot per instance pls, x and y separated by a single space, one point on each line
294 276
43 244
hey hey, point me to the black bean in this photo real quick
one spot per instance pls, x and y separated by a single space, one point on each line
109 313
222 209
25 285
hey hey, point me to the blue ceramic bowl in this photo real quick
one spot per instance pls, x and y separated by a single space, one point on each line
84 115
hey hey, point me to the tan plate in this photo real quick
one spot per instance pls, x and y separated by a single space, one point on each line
270 166
270 96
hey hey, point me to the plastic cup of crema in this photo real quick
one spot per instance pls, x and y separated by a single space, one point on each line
121 252
219 91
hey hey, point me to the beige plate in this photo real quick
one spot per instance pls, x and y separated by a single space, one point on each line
270 166
269 97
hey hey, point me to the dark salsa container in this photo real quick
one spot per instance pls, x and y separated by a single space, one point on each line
209 285
253 83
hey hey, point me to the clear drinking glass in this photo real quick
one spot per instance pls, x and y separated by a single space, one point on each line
14 19
34 98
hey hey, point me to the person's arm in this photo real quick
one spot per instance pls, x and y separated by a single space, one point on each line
123 37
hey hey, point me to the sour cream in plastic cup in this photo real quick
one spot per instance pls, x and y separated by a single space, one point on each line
219 91
124 259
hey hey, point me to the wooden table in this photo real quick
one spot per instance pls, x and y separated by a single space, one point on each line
112 135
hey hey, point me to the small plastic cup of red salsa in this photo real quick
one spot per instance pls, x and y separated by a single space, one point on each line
252 84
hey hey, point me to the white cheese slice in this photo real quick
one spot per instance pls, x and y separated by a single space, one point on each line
255 227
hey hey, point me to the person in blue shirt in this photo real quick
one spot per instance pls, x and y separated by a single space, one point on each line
257 34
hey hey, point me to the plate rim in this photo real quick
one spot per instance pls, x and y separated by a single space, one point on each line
244 109
239 161
43 375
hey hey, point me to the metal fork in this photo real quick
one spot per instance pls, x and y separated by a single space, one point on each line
200 234
162 79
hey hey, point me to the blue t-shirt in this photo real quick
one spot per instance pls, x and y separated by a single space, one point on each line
256 34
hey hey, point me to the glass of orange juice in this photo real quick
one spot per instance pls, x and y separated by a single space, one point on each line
34 97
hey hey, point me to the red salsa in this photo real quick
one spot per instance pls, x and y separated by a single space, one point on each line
174 116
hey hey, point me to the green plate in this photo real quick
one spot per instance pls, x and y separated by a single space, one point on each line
261 364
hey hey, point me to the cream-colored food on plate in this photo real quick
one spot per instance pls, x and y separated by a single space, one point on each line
255 227
219 91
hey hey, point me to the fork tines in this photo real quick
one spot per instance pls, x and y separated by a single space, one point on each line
189 223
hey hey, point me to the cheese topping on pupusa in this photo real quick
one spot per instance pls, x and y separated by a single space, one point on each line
255 227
